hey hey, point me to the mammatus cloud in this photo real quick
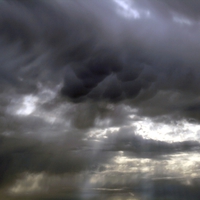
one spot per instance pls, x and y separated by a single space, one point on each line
99 98
106 56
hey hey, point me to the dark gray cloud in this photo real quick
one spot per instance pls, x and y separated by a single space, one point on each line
101 55
87 68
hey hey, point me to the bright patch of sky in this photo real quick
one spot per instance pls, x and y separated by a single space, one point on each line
127 9
28 105
180 131
182 166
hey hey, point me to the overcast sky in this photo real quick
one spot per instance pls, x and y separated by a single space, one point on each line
99 99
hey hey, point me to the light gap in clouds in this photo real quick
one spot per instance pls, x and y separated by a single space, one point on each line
28 105
126 9
182 131
183 167
177 131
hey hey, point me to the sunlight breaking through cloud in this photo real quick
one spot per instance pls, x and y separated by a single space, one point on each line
126 10
99 99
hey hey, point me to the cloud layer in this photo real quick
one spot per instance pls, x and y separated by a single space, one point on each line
102 93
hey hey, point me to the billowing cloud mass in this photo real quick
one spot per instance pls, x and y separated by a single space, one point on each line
99 99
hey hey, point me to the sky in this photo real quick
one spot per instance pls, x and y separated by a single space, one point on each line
99 99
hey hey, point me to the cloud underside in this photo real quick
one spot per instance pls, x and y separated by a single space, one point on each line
99 98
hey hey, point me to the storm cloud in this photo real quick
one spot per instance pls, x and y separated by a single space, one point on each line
96 90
